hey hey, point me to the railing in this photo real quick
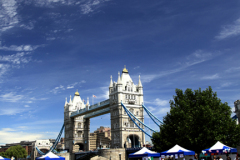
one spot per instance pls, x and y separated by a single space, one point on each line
89 108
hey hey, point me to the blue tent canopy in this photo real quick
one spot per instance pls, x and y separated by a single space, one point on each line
219 148
144 152
50 156
177 150
2 158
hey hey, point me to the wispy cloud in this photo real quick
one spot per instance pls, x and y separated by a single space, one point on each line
11 111
8 14
3 69
229 30
21 48
62 88
199 56
136 67
86 7
215 76
11 97
233 69
16 58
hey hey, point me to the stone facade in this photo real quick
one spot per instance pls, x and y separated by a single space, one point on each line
123 130
131 95
76 129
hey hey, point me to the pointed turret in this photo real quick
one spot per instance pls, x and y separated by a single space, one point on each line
70 101
111 83
139 82
65 101
87 102
119 79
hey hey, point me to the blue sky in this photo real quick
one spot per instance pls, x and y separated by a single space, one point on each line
51 48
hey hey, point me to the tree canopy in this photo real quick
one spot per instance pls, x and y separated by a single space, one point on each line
197 120
15 151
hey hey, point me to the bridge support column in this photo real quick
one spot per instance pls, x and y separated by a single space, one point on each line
87 134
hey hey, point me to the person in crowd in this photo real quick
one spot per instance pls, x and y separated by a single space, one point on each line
228 158
220 158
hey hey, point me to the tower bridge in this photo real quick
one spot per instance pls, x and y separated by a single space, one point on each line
77 115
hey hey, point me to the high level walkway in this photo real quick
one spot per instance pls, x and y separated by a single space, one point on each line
93 110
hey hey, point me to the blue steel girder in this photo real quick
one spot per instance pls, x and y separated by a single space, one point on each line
92 108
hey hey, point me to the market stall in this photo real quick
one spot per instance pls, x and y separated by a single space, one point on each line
144 154
221 150
2 158
178 152
50 156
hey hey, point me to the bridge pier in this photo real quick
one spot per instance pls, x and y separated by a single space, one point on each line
87 134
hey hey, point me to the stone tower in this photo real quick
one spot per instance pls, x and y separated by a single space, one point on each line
124 133
75 128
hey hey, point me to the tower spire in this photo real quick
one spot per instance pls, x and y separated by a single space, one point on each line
124 69
119 79
66 101
139 82
111 83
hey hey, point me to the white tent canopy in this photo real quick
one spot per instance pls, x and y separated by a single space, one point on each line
144 152
219 147
50 156
178 150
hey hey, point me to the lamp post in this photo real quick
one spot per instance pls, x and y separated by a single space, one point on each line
119 156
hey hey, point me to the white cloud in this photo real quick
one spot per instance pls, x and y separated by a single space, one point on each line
9 135
136 67
3 69
21 48
11 97
11 111
233 69
199 56
229 30
160 102
16 58
26 106
226 84
70 86
8 14
215 76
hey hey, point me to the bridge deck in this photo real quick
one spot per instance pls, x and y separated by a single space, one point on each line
93 110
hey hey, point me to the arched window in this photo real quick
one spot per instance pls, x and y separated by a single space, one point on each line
137 113
79 125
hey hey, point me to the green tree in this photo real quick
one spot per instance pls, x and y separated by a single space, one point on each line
197 120
3 154
16 151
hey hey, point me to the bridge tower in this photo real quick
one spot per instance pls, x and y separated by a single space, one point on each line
77 128
123 131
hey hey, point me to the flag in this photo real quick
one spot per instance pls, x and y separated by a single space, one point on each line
94 96
83 100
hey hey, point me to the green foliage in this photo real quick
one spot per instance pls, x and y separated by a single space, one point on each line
197 120
16 151
3 154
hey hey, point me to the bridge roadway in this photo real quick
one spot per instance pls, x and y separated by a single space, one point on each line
93 110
